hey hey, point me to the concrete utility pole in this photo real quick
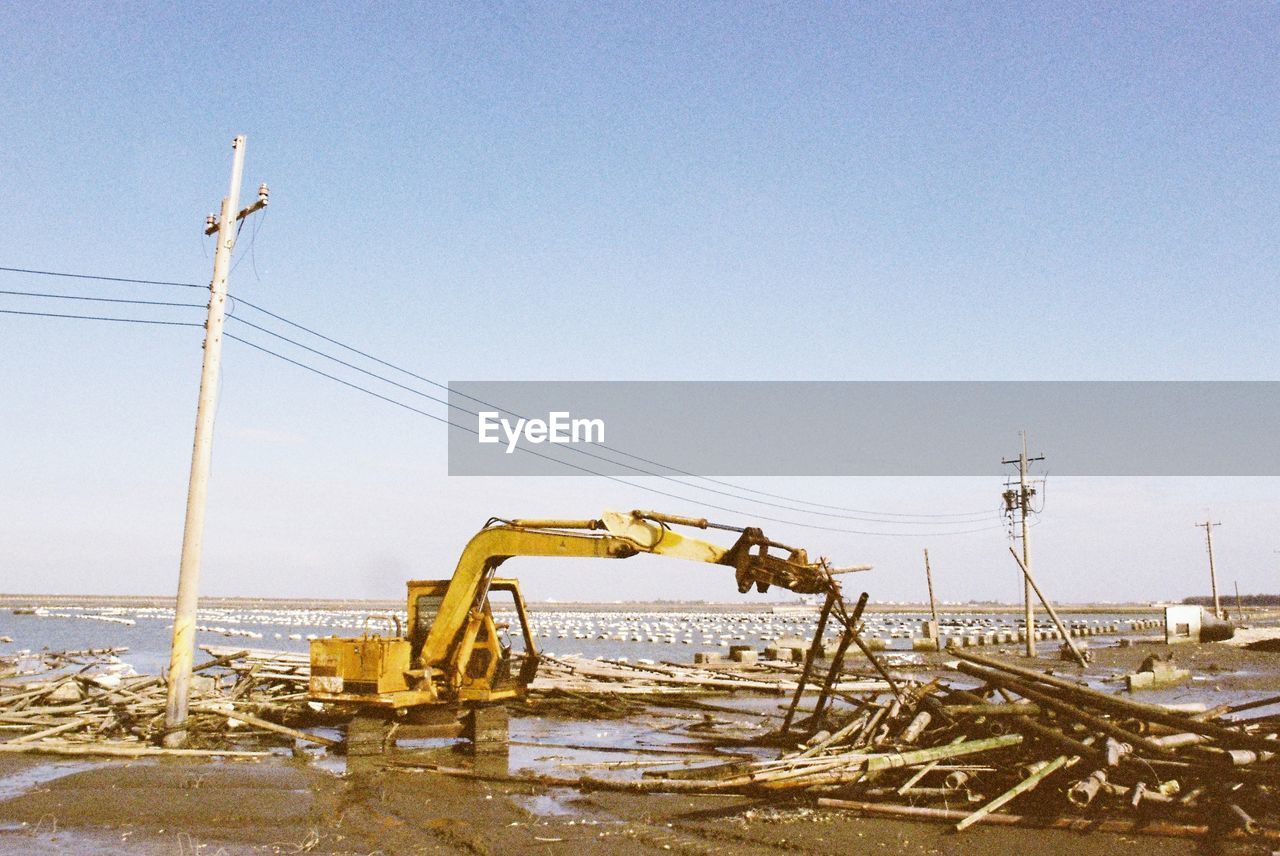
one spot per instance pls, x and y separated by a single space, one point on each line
1023 504
1207 526
184 618
933 604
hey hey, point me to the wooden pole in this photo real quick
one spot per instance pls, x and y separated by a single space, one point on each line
933 604
1053 614
814 649
1207 526
846 639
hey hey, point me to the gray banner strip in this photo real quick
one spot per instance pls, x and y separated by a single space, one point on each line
863 428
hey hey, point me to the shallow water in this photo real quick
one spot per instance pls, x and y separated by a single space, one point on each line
26 780
610 633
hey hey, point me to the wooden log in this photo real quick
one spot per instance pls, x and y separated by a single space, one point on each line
221 660
837 659
1020 709
915 727
1053 613
49 732
122 750
267 725
36 692
856 723
588 783
1250 705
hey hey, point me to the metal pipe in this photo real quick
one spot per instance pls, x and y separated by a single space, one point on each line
535 523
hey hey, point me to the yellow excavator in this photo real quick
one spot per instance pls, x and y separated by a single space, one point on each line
448 671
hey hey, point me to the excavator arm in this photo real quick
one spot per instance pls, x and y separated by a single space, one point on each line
615 535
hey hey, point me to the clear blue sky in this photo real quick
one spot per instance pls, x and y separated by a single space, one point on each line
638 191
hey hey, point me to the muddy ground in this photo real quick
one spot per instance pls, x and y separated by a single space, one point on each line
285 805
282 806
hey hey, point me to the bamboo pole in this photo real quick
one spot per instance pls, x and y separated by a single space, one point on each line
992 709
851 772
1068 710
1126 707
926 769
1082 824
1029 783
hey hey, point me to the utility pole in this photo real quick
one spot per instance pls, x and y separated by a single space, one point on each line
933 604
1021 501
184 617
1207 526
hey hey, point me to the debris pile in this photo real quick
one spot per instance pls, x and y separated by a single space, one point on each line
34 662
575 674
1063 754
89 703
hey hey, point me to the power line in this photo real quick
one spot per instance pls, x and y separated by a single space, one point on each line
103 318
99 299
102 278
581 451
871 516
473 431
934 519
591 472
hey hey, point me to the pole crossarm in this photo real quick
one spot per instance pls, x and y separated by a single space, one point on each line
212 225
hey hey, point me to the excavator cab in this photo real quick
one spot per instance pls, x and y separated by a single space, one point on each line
392 672
485 673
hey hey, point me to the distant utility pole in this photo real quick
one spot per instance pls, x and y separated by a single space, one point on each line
184 617
1020 500
1207 526
933 604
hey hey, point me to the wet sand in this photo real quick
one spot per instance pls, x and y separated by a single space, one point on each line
283 806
